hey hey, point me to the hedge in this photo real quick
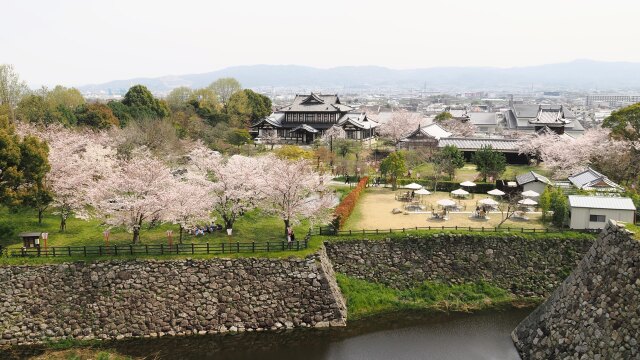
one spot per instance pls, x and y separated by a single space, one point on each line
346 206
448 186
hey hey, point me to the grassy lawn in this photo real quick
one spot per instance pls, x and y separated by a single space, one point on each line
253 226
365 298
469 172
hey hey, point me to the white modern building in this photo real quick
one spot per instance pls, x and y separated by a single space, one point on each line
592 212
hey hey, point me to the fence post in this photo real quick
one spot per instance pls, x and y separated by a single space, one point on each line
297 245
223 248
483 229
362 231
376 231
253 246
161 249
54 251
522 229
193 248
267 246
306 243
207 247
177 249
282 245
100 250
456 227
146 248
237 246
115 250
85 251
130 249
69 250
349 232
534 230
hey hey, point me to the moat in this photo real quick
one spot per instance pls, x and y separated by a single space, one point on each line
407 335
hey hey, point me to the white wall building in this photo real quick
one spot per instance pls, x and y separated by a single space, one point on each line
592 212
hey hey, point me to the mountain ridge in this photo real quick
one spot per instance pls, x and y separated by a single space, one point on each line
577 75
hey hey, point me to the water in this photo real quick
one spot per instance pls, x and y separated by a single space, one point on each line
403 336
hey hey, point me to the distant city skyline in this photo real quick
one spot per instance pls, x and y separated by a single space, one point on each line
73 42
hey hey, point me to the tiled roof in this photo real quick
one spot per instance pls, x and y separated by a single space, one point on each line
304 127
357 119
504 145
317 103
432 130
482 118
592 180
601 202
275 119
531 177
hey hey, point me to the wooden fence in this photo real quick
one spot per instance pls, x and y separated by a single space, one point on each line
332 231
156 249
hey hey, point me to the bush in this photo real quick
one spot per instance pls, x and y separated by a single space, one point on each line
346 206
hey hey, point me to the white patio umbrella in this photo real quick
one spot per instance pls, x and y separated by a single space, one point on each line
423 192
413 186
460 192
527 202
530 193
495 192
446 202
487 201
468 184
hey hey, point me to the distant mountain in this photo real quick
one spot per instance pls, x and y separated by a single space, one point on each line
575 75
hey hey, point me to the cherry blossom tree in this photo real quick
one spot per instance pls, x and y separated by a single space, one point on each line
400 124
190 203
236 185
136 191
458 127
269 137
295 191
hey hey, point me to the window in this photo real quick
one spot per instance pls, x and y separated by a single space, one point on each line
597 218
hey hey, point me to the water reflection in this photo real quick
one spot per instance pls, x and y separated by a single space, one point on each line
397 336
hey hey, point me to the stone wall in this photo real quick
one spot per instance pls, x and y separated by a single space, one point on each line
595 313
526 267
143 298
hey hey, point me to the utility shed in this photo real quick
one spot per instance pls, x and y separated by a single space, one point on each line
592 212
533 181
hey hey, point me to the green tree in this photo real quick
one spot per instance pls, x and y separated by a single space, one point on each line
97 116
624 123
12 89
545 202
34 160
260 105
142 104
449 159
70 98
560 207
489 162
34 109
445 115
239 110
393 166
10 163
179 98
225 87
238 137
121 111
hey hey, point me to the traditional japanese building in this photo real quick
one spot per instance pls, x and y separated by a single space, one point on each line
424 136
531 118
309 116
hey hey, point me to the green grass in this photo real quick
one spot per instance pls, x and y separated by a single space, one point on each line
253 226
469 172
366 299
634 228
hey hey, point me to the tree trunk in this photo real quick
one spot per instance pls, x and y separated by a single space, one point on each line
136 234
181 228
286 227
40 211
63 223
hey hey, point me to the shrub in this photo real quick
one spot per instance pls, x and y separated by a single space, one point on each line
346 206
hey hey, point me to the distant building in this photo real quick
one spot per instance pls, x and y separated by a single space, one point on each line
592 212
533 181
485 122
424 136
469 145
531 118
591 180
309 116
612 99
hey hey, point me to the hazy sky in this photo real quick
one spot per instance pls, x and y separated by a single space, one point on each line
80 42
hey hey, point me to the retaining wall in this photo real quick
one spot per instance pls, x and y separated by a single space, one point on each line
143 298
525 267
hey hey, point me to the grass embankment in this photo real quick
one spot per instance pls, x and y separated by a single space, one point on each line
568 235
634 228
366 299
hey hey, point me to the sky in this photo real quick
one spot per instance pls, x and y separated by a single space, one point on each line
78 42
